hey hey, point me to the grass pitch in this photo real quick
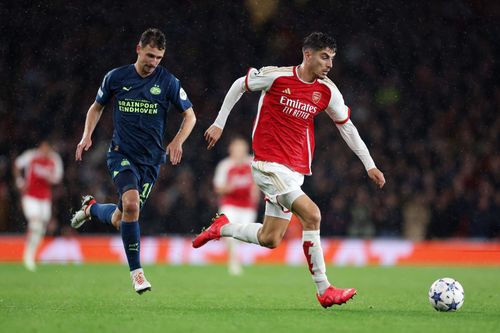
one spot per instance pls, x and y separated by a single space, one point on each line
99 298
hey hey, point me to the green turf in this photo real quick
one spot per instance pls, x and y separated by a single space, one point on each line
99 298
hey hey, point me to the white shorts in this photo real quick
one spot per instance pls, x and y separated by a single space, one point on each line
238 214
277 180
36 209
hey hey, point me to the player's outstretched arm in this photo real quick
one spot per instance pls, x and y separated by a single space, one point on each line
351 136
174 148
214 132
93 116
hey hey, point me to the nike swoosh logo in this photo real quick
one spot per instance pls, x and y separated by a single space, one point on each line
127 89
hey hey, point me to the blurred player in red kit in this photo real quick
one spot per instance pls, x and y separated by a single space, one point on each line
35 171
283 147
238 193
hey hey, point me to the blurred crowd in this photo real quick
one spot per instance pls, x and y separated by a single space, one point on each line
421 79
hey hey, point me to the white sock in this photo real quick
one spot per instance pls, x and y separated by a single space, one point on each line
232 251
35 235
246 232
233 262
311 244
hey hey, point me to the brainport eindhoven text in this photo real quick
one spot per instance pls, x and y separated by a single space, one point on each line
137 106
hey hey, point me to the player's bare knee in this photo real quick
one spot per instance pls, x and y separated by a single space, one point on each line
270 241
130 207
316 218
312 220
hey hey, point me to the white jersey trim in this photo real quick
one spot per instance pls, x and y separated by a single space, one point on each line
257 116
309 152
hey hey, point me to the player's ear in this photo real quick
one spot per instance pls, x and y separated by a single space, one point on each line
138 48
307 54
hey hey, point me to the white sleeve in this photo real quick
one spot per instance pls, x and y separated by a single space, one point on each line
220 176
255 80
262 79
58 169
351 137
233 95
336 109
24 159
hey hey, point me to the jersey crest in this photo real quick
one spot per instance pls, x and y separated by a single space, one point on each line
316 97
155 90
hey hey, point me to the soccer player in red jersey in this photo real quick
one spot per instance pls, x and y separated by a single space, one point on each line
283 146
36 170
238 194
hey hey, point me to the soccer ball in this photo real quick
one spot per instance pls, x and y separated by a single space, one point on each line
446 294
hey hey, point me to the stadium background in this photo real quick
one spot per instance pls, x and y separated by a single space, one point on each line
421 80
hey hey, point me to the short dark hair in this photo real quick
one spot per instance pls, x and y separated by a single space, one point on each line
319 41
154 37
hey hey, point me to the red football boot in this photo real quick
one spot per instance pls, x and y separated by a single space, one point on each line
334 295
212 232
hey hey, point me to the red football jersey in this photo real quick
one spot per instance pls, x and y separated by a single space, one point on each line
283 131
38 169
239 178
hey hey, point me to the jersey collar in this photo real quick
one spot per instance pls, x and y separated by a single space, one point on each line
296 73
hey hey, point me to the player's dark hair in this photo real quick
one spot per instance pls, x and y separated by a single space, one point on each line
319 41
154 37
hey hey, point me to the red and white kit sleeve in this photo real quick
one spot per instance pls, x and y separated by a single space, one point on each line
23 160
238 184
336 109
58 168
221 173
255 80
341 114
40 172
262 79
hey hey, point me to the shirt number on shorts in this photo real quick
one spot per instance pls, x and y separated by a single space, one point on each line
146 189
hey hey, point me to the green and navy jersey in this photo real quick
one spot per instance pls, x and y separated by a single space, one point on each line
140 109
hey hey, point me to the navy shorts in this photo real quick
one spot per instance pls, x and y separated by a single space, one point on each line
140 177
